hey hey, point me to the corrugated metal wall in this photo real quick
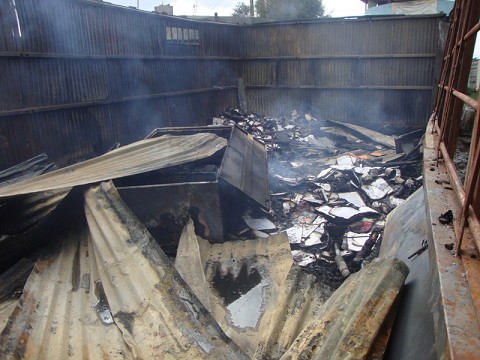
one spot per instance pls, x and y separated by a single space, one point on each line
376 72
79 75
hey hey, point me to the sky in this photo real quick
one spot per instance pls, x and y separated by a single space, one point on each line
334 8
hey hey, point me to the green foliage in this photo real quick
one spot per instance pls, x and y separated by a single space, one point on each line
241 10
288 9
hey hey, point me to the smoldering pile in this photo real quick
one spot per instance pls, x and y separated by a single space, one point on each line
332 186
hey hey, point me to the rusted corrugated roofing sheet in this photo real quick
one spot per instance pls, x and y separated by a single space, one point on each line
106 290
260 298
142 156
156 311
6 309
273 310
349 325
61 313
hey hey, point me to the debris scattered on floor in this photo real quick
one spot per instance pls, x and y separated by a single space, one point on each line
237 299
332 186
446 218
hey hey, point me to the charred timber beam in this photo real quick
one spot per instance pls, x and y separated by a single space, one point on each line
14 54
111 101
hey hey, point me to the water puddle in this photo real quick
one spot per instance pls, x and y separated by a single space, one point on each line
247 309
243 295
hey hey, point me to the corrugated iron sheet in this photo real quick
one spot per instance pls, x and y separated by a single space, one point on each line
273 310
351 320
79 76
63 312
106 290
153 308
6 310
275 298
141 156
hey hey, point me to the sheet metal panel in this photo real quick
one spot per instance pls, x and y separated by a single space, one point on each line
105 289
283 298
156 312
405 229
350 323
139 157
60 312
77 61
360 36
385 110
374 71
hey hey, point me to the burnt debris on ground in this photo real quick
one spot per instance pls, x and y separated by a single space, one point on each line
332 186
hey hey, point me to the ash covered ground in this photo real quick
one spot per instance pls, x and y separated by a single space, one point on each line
332 186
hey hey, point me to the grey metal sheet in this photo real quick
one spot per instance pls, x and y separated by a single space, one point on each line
253 290
142 156
349 324
405 229
247 155
105 289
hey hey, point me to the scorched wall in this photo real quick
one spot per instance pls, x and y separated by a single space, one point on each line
79 76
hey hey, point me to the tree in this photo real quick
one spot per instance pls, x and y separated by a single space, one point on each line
241 10
287 9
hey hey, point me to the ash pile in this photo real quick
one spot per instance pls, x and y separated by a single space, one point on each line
332 186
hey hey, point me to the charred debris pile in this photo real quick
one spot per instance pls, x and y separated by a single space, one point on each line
332 186
96 235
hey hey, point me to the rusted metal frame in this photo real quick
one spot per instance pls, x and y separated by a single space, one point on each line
450 130
445 70
16 54
452 172
458 77
470 182
459 191
448 70
465 98
472 32
110 101
465 58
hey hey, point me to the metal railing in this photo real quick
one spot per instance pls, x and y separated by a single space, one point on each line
450 101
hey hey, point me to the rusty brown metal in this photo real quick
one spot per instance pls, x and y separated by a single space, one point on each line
470 183
459 288
455 288
465 98
472 32
450 101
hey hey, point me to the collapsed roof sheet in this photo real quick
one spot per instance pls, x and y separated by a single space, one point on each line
349 324
108 290
139 157
369 134
259 297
